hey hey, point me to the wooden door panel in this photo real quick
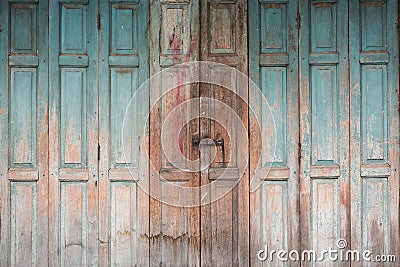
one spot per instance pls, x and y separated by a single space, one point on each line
174 230
273 56
123 205
73 133
374 126
224 224
23 134
324 123
174 235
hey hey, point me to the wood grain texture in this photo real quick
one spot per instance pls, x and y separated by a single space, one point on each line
24 134
73 134
274 68
324 125
123 205
374 131
70 194
224 222
174 231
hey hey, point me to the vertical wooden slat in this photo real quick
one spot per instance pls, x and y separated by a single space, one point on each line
174 36
224 222
324 123
43 134
374 135
73 133
4 192
273 67
24 133
123 205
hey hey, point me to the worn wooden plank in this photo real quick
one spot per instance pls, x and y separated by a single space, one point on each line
24 212
325 171
274 215
374 135
71 174
224 222
324 123
22 60
73 134
174 231
123 205
274 206
23 175
42 136
74 221
4 143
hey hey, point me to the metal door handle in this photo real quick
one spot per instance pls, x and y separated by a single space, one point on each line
220 142
196 142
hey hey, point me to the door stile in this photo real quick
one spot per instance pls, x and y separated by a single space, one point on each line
4 137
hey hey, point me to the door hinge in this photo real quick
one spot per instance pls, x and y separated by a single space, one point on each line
98 152
98 21
298 20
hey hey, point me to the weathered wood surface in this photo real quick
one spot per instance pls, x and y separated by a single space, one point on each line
274 68
324 126
68 69
225 222
123 205
174 231
24 127
73 134
374 126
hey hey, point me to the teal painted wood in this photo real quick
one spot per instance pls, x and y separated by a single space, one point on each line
4 157
273 67
24 133
73 133
324 124
374 136
123 53
23 105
